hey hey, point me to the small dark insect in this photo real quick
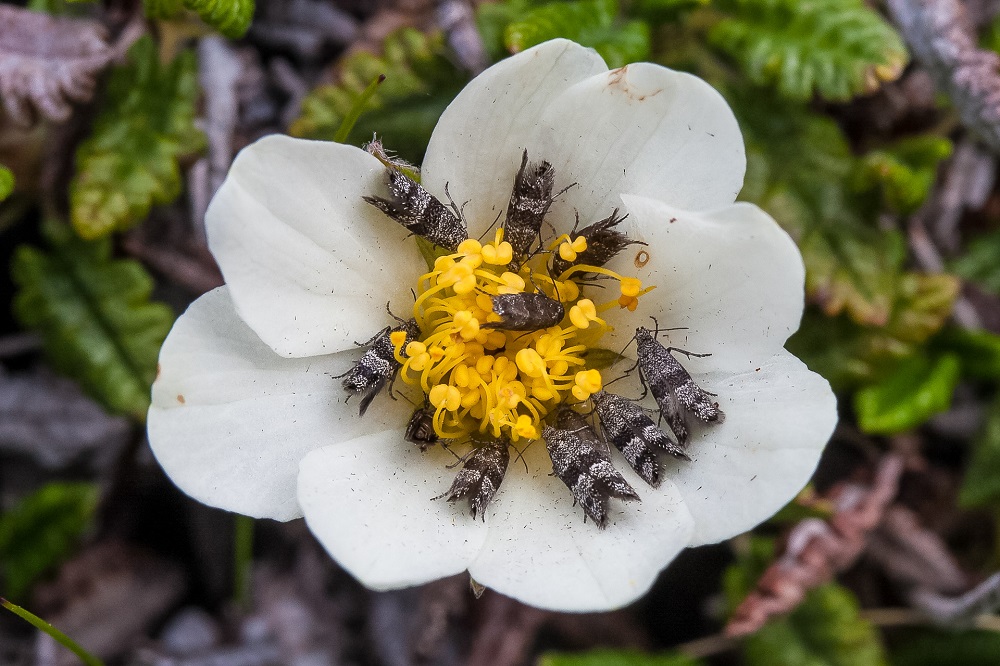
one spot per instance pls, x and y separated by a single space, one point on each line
579 460
672 387
481 476
420 429
526 312
377 366
530 199
603 243
632 432
420 212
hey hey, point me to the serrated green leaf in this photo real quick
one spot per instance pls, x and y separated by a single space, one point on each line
930 647
41 530
981 484
6 182
420 82
229 17
98 325
903 174
836 48
615 658
591 23
979 262
130 161
917 389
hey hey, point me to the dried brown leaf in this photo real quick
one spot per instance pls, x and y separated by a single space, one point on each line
47 63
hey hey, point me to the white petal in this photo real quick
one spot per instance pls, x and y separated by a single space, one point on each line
369 502
539 550
642 129
732 277
779 416
309 264
645 130
477 144
230 419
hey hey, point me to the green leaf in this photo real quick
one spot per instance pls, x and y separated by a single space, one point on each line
229 17
130 161
162 9
981 484
657 11
420 82
615 658
903 174
6 182
41 530
918 388
836 48
94 313
979 263
979 351
929 647
591 23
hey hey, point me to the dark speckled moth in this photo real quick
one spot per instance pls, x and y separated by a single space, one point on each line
377 365
526 312
632 432
530 199
420 212
420 429
603 243
580 462
481 476
672 387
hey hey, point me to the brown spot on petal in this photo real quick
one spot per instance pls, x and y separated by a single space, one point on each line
180 398
641 258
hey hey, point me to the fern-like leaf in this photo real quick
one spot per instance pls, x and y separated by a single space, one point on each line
40 531
836 48
419 83
94 313
130 161
229 17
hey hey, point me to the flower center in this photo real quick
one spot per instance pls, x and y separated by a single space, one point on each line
500 350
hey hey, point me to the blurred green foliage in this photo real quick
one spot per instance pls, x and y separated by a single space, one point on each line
981 485
420 81
615 658
980 262
934 647
6 182
95 316
41 530
131 160
515 25
834 48
230 17
902 174
918 388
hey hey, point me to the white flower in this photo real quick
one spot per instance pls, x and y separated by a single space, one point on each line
246 416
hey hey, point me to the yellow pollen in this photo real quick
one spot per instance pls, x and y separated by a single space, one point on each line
484 381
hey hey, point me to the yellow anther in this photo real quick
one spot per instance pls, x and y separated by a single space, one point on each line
414 348
589 380
542 392
446 397
470 398
567 290
580 244
513 281
630 302
419 361
495 340
580 393
484 364
500 364
460 375
470 246
583 313
631 287
484 302
442 264
436 353
470 331
498 254
566 252
525 427
465 285
461 318
530 363
397 338
559 368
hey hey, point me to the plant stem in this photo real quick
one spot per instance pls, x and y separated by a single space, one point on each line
58 636
347 124
243 559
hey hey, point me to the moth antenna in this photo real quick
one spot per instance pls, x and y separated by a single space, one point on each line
686 353
520 454
657 330
490 228
454 206
399 319
414 294
576 224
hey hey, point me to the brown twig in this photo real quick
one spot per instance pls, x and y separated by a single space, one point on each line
943 40
506 633
816 549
